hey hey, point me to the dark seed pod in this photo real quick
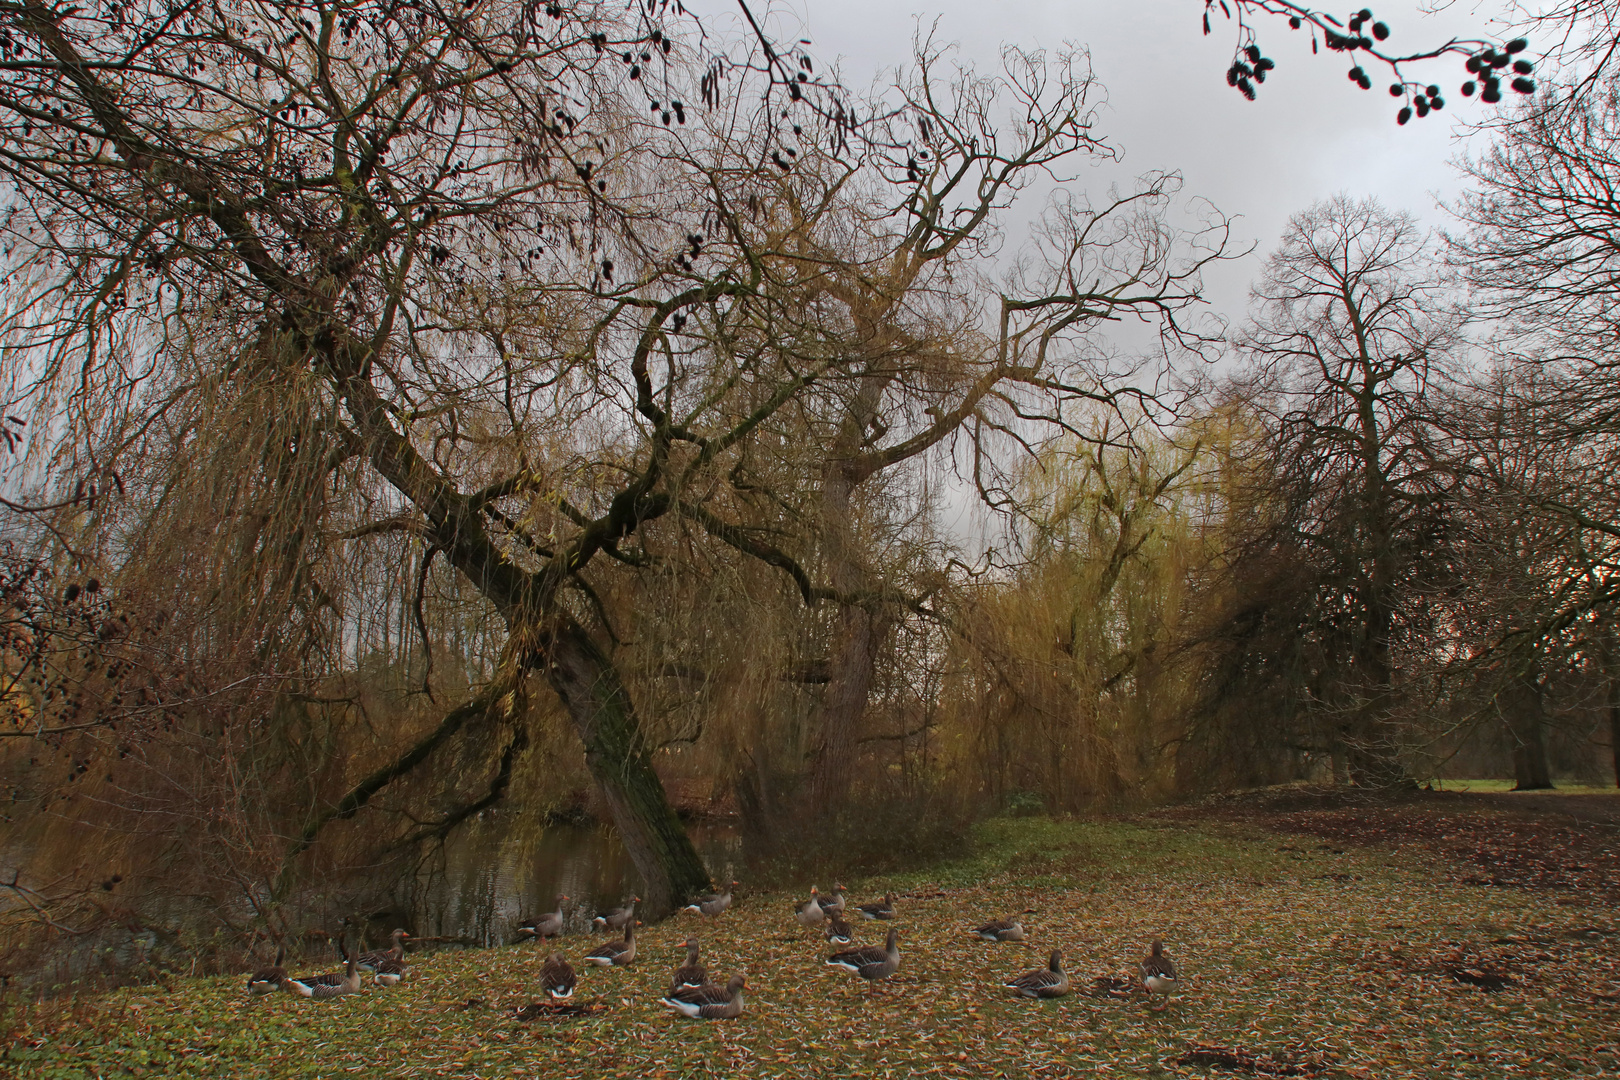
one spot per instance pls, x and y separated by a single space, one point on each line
1473 65
1232 75
1437 103
1380 31
1365 14
1247 88
1403 116
1422 107
1524 86
71 593
1364 82
1253 52
1396 89
1294 23
1356 74
1490 95
1434 91
1523 67
1517 45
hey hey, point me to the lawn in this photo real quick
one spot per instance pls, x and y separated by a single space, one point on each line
1389 954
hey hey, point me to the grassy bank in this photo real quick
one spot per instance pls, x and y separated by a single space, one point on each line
1300 957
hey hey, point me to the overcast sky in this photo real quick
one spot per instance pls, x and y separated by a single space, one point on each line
1310 134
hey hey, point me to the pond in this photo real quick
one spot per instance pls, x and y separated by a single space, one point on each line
497 873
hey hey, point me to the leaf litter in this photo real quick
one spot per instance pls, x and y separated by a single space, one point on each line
1367 956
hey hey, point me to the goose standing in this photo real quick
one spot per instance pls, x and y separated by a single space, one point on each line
880 909
713 905
619 917
266 980
395 952
1001 930
690 973
557 977
709 1002
870 962
615 953
1158 975
1050 981
809 913
546 926
329 985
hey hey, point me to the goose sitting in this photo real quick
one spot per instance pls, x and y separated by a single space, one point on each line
880 909
809 912
390 972
709 1002
396 952
615 953
266 980
713 905
330 985
620 917
1048 982
557 977
870 962
838 930
1001 930
690 973
1158 975
546 926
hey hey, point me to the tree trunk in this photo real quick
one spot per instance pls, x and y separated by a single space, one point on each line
604 716
1524 712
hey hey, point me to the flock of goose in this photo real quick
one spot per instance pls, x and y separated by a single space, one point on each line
691 993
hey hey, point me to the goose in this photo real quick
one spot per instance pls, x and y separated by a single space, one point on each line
615 953
546 926
690 973
1048 982
621 917
870 962
396 952
1001 930
838 930
1158 975
557 977
267 980
329 985
834 904
879 909
713 905
709 1002
809 913
390 972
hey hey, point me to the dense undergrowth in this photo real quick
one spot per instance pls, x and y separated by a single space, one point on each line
1300 956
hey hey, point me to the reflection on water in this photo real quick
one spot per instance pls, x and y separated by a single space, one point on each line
509 867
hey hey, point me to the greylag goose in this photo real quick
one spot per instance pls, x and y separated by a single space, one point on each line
1001 930
838 930
390 972
881 909
1050 981
713 905
396 952
615 953
546 926
870 962
709 1002
329 985
809 913
1158 975
690 973
266 980
621 917
834 904
557 977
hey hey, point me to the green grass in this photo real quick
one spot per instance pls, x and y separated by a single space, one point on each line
1285 946
1560 787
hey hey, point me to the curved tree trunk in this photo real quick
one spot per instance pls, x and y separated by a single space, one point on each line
604 717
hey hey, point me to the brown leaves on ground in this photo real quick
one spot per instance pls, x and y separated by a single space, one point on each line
1340 941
